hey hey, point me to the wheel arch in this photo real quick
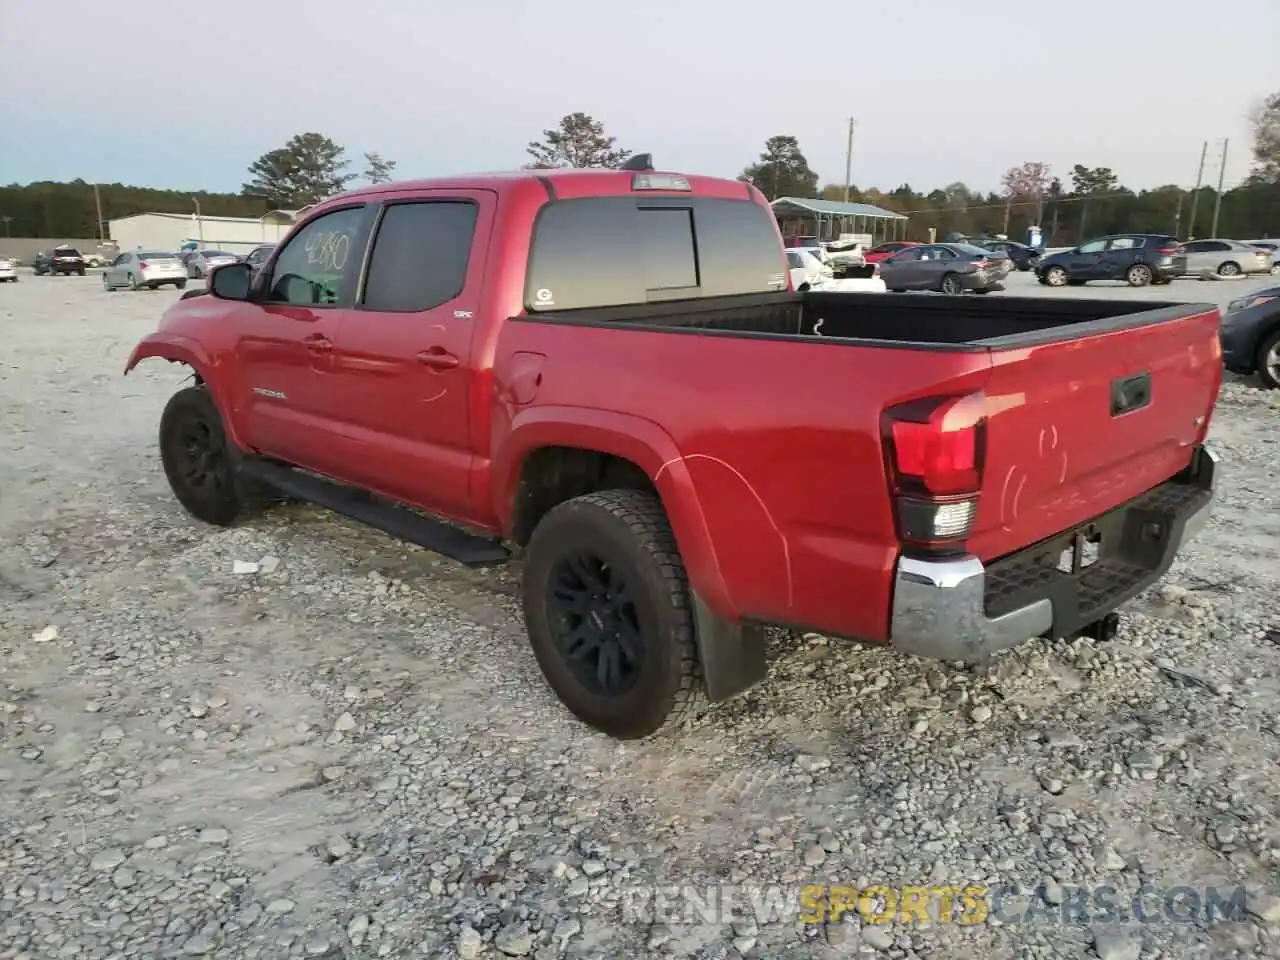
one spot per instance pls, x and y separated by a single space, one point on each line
191 354
553 453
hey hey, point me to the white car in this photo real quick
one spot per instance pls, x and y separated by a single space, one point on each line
144 268
807 272
8 270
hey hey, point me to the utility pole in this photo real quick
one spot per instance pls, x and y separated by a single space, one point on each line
199 222
1195 196
97 202
7 221
1217 201
848 161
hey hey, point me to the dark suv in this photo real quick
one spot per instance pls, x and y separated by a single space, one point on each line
1136 258
65 260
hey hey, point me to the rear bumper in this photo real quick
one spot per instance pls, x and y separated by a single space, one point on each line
961 609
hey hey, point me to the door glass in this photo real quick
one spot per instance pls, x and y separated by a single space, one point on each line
318 266
420 255
1095 246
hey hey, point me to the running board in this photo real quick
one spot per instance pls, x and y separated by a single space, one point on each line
469 549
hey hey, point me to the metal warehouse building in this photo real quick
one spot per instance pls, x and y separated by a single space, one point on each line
171 231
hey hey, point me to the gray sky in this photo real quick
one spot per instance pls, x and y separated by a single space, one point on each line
187 94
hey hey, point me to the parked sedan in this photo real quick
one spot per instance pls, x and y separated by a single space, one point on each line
806 271
1272 247
1226 258
951 268
1250 335
884 251
1024 257
8 270
200 262
145 268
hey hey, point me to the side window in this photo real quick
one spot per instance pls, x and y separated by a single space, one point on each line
121 260
319 264
420 255
1193 246
1094 246
1125 243
1217 246
945 254
909 255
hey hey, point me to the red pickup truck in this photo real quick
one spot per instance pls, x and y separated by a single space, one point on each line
607 371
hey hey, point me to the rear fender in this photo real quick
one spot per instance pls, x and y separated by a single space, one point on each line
179 349
632 438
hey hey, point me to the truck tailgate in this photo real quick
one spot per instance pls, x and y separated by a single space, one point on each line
1077 427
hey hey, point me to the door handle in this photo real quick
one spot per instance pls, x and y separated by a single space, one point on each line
438 358
318 343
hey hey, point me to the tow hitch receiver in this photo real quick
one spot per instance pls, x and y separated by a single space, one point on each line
1103 630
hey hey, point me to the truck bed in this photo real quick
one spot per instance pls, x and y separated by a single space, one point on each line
888 319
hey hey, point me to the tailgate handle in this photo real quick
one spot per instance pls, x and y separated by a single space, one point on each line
1130 393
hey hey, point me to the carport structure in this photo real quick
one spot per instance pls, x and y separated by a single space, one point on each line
827 219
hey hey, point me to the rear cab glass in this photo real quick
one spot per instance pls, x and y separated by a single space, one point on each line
618 251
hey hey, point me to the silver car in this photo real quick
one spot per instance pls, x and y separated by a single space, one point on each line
951 268
1272 246
200 262
1226 258
144 268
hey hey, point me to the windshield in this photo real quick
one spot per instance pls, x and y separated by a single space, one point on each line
155 255
217 253
795 259
66 252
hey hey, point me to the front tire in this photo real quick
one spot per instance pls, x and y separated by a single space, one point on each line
198 459
1229 269
106 284
1138 275
133 282
181 284
1269 361
609 616
1055 277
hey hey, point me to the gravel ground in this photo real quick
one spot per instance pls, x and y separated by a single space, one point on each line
349 752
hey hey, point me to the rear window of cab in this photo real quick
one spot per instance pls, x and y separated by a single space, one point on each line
618 251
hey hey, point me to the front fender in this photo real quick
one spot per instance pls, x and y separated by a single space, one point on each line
179 349
632 438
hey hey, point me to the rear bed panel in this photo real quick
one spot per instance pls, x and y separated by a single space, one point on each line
1056 453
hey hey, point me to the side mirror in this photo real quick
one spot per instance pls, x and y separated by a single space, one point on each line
230 281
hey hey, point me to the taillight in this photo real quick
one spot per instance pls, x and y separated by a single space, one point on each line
936 450
142 264
1169 251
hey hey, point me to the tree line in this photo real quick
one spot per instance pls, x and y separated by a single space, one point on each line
1083 201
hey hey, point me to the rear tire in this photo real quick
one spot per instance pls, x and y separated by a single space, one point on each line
1229 269
1138 275
133 282
181 284
1269 360
950 285
1055 277
106 284
80 272
609 615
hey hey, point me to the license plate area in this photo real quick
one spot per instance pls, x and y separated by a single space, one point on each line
1089 570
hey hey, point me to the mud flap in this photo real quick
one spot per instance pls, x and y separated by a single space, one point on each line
732 655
